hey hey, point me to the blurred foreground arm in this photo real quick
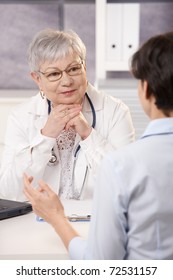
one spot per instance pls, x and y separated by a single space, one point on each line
46 204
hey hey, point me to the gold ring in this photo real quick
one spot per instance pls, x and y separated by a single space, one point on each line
64 113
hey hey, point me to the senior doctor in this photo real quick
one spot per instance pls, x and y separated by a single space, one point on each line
62 133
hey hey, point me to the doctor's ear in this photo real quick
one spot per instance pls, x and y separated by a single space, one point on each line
35 76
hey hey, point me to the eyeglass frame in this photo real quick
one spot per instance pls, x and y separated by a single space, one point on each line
61 71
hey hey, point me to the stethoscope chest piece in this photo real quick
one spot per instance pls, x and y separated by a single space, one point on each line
53 161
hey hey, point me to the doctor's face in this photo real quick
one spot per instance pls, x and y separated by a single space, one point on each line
63 81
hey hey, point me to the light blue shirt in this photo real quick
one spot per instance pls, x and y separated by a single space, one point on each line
133 201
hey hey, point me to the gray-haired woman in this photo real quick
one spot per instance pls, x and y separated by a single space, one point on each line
61 134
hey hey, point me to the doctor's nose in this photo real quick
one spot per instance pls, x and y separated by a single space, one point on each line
66 80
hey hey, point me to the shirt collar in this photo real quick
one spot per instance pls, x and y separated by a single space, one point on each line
159 126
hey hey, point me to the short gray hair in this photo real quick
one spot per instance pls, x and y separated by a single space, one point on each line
51 45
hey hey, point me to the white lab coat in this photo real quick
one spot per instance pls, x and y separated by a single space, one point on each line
27 150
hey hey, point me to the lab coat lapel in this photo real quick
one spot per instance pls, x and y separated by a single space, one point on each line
39 108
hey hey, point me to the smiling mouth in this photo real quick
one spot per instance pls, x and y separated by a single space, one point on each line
69 92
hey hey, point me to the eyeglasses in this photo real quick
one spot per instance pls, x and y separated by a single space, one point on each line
73 70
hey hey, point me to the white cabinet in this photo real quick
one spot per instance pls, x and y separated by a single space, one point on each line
117 36
113 31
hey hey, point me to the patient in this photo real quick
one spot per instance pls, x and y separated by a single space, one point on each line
132 216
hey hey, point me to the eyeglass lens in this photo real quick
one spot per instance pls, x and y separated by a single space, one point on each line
55 75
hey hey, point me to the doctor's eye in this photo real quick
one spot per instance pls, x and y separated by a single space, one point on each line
53 75
74 70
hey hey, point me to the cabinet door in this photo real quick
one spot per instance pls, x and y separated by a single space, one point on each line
122 35
113 32
130 19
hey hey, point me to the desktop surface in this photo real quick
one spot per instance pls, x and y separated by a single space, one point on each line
26 238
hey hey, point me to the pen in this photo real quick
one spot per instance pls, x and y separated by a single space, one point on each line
72 218
78 218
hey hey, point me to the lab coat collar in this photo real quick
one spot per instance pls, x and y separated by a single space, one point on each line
38 106
98 101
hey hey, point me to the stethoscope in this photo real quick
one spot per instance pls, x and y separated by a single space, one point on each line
53 161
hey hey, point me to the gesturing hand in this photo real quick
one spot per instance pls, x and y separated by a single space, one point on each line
45 202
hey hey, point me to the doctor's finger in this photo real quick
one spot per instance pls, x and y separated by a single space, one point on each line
75 120
71 119
70 113
60 112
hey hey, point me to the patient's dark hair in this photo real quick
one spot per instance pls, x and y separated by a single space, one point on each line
153 63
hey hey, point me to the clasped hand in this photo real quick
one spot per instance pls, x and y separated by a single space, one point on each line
64 116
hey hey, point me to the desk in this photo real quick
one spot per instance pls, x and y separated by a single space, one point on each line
24 238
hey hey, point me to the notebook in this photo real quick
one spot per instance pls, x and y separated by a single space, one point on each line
11 208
